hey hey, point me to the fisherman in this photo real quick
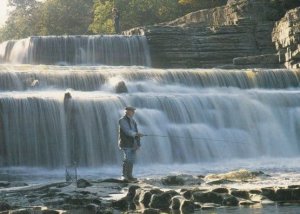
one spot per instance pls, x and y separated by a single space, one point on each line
129 142
116 18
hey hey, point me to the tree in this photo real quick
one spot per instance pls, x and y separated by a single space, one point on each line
22 21
133 13
193 5
66 17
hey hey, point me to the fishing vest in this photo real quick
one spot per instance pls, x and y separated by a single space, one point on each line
126 141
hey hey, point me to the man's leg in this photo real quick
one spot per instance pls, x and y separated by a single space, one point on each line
129 159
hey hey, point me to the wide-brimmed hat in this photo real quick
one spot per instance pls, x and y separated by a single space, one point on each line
130 108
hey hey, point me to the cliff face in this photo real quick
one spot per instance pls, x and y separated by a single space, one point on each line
215 37
286 36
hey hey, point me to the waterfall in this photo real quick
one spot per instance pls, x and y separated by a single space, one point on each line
91 78
190 115
74 50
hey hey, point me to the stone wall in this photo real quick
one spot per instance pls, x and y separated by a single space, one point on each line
286 36
214 37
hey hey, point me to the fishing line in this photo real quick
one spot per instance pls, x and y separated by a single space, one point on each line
190 138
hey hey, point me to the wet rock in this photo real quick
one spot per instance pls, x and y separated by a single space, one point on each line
230 201
151 211
54 202
293 187
21 211
173 181
79 200
208 206
132 191
256 198
50 212
269 192
17 184
296 194
121 204
284 194
187 206
220 190
246 202
197 205
176 201
163 200
137 195
207 197
145 198
4 206
82 183
255 191
121 87
4 184
187 194
113 180
240 194
220 181
92 207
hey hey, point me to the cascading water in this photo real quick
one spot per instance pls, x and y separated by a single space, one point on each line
91 50
194 115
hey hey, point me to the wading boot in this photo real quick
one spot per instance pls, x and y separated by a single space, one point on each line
130 169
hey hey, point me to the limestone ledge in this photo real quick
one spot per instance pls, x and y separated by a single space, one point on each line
286 36
213 37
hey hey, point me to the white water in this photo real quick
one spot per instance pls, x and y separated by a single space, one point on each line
196 123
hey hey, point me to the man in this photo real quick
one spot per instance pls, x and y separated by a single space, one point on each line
116 18
129 141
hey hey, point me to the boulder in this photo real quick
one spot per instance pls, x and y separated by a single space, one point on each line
187 206
163 200
172 181
145 196
187 194
121 204
207 197
132 191
220 190
82 183
121 87
176 202
240 194
230 200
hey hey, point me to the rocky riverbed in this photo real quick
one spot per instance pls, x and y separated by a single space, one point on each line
183 193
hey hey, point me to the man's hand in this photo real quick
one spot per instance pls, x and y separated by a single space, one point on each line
139 135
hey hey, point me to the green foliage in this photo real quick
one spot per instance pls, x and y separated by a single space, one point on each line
191 5
66 17
53 17
102 22
22 21
133 13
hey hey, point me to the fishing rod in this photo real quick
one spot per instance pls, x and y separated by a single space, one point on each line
190 138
